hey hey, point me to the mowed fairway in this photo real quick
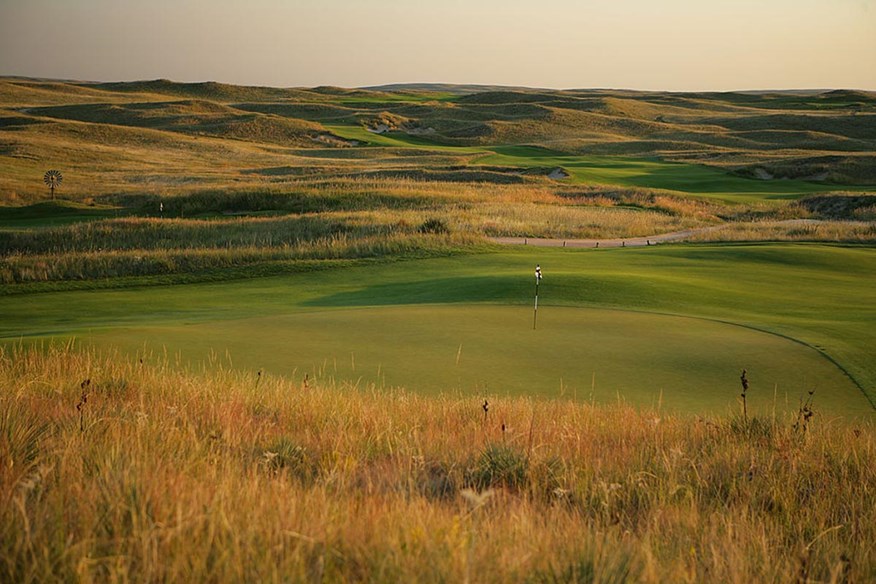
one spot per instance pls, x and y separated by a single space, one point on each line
672 324
626 171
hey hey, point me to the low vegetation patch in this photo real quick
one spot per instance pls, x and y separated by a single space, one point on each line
839 206
863 232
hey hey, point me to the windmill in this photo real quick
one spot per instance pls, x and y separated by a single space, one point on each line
53 178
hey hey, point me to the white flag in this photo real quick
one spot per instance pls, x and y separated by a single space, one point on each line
537 272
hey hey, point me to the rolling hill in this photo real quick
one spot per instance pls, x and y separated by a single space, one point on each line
789 143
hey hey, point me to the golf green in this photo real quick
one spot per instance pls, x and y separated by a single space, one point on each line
673 321
644 359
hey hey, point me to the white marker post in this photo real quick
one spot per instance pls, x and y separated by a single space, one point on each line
537 280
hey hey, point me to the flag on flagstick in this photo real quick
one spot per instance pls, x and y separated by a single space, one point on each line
537 280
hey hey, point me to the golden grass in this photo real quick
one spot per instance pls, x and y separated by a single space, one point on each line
114 263
554 221
821 231
226 476
138 246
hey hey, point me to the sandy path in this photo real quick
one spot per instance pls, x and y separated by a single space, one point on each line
629 241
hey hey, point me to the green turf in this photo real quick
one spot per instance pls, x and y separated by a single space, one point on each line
626 171
652 173
398 140
477 349
53 214
821 296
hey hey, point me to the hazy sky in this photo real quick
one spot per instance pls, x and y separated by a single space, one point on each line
637 44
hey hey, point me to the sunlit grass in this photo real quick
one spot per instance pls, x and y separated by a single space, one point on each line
225 476
863 232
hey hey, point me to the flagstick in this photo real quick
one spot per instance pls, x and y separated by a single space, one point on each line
535 312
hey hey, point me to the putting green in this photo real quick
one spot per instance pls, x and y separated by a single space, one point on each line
690 364
407 317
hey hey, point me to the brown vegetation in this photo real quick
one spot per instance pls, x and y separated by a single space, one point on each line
222 476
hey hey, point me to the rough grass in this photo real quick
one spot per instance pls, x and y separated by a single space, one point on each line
94 263
343 219
154 234
573 222
486 218
841 206
228 477
862 232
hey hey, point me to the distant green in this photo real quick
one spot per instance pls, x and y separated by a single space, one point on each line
651 173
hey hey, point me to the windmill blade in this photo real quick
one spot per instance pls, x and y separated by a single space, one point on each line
53 178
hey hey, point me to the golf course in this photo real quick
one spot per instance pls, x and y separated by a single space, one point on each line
256 334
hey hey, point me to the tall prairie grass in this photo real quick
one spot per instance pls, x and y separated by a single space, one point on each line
156 234
552 221
97 264
320 193
229 476
487 219
863 232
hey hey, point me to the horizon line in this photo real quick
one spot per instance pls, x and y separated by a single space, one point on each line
412 84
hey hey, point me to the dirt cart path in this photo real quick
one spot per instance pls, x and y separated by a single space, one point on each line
626 242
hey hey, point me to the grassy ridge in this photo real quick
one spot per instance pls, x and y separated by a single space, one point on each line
165 475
